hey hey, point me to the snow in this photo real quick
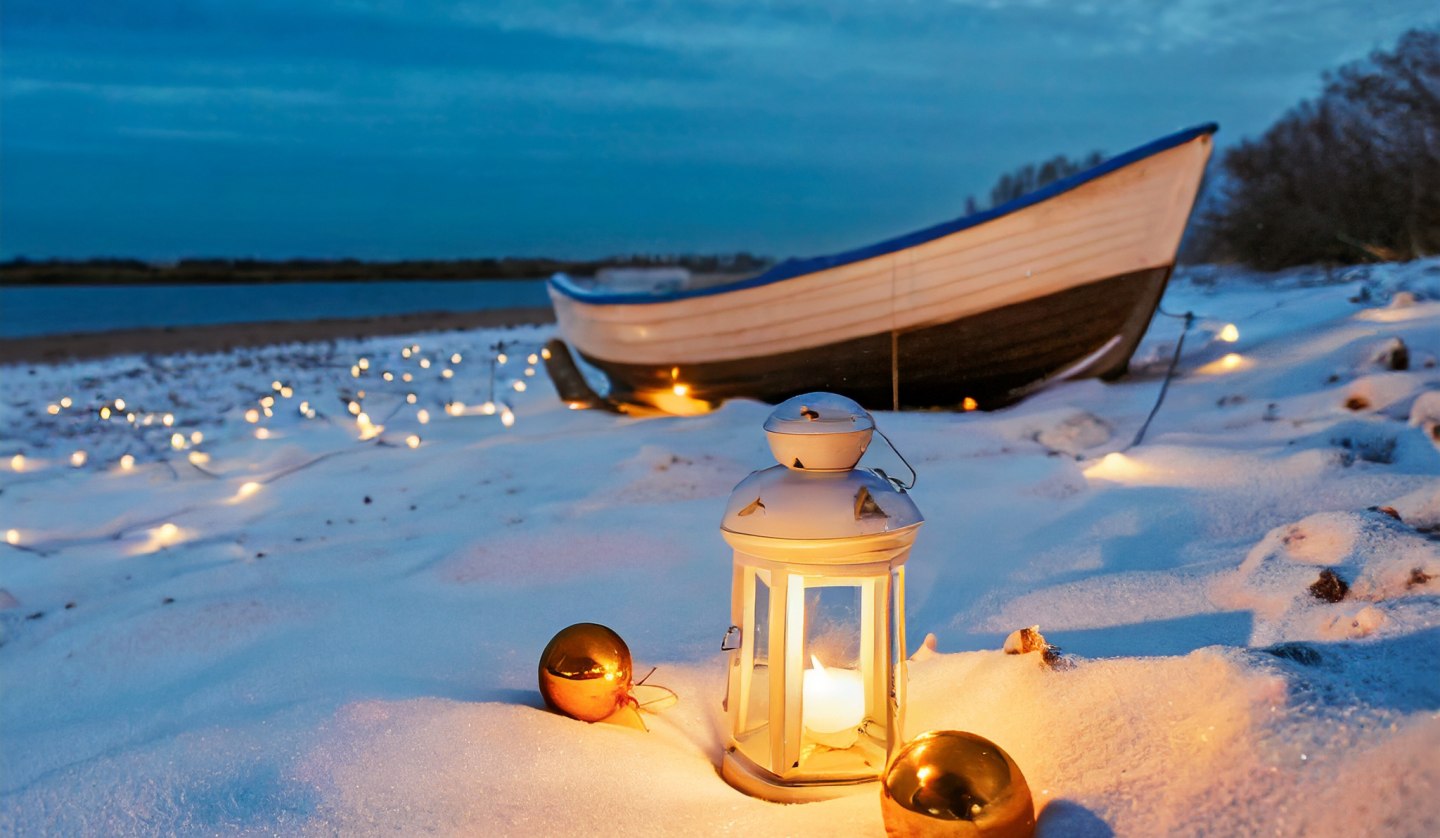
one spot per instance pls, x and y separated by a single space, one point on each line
313 633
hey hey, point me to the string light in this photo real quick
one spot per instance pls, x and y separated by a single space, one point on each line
127 462
407 378
405 353
501 359
488 408
519 386
545 353
529 372
507 417
246 490
363 363
447 373
17 462
413 440
177 441
105 412
355 372
304 407
65 402
119 404
455 359
388 375
276 385
969 404
455 408
262 433
410 398
167 420
354 408
1229 334
422 416
130 417
78 459
52 409
533 359
252 416
199 458
424 363
12 537
287 392
268 401
197 437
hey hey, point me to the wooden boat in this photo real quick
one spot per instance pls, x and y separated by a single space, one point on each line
979 311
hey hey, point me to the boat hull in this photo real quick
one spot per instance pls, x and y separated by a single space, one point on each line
992 358
1059 283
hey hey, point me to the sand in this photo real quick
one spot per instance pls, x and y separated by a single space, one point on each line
224 337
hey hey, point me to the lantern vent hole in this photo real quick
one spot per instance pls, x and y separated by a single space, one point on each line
756 504
866 507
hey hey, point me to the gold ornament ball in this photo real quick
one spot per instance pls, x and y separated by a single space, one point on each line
585 672
946 782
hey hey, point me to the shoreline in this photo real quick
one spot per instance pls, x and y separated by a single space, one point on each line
223 337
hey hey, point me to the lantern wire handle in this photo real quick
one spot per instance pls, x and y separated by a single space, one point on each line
913 475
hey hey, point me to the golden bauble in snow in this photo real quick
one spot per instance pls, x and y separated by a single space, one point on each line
946 782
585 672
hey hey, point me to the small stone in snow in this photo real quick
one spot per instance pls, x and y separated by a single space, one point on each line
367 499
1329 587
1417 577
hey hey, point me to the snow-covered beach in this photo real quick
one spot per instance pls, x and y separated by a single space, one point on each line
318 624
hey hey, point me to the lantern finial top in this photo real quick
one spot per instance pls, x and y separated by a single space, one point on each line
819 432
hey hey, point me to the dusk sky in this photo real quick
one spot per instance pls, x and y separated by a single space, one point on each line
388 129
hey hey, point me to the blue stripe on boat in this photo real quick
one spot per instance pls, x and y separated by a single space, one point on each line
791 268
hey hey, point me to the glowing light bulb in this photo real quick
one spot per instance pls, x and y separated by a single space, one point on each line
1229 334
1231 361
507 417
105 412
276 385
268 401
247 489
413 440
455 359
196 437
488 408
969 404
65 402
12 537
17 462
354 372
501 358
424 363
167 420
405 353
127 462
455 408
287 392
354 408
388 375
252 416
262 433
410 398
177 441
681 389
165 533
519 386
78 459
447 373
119 404
52 409
363 363
422 416
199 458
407 377
533 359
304 407
545 353
529 371
130 417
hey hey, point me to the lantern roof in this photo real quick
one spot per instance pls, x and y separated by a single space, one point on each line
819 413
781 502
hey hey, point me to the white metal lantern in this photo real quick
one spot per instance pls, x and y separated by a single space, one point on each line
815 696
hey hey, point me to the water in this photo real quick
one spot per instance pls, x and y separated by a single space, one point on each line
27 311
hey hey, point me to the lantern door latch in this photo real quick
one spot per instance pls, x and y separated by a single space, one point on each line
731 641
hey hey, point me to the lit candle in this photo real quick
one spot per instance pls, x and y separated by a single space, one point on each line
832 704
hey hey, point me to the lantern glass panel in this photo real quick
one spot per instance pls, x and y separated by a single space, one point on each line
757 705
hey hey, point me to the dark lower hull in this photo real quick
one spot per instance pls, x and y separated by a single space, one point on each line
995 357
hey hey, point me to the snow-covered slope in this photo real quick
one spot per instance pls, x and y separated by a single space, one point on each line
315 633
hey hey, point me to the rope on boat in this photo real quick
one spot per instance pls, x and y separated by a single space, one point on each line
1189 318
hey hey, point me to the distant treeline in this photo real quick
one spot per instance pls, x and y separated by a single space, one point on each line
21 271
1031 177
1350 176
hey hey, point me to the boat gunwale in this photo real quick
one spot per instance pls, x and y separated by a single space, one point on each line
793 268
